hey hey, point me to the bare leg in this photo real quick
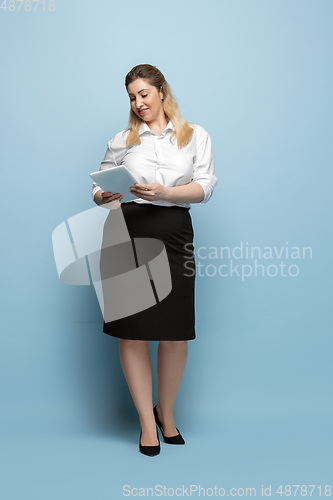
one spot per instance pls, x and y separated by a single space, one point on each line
171 361
135 361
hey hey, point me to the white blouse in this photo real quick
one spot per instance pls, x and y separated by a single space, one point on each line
158 159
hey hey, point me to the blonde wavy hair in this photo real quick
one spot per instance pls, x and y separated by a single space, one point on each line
182 130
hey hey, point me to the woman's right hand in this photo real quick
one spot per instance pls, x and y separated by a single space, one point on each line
107 196
107 199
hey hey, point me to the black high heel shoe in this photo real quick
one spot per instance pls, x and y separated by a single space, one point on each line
150 451
178 439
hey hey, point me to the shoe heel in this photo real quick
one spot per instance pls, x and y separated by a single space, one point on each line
178 439
149 451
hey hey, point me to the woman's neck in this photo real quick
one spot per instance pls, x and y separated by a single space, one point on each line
159 124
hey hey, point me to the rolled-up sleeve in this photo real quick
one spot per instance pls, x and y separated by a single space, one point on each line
204 165
113 157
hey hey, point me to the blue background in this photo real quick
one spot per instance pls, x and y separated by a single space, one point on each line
255 404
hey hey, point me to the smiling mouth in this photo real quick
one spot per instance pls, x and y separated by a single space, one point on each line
143 111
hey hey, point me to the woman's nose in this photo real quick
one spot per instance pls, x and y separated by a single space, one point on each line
138 103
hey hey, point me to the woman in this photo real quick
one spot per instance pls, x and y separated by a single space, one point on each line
174 164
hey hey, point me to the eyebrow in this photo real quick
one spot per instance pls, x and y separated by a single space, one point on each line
139 91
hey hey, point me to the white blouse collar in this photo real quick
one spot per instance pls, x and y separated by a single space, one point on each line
144 128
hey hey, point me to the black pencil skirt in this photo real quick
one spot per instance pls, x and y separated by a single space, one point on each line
172 318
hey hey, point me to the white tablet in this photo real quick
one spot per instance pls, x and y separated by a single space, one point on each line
116 180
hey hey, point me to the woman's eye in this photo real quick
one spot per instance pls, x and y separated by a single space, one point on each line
133 98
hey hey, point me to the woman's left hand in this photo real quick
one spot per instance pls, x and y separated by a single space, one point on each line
150 192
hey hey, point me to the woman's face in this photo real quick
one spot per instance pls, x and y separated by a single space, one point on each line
146 100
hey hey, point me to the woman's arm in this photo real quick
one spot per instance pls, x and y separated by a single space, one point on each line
201 186
187 193
191 192
114 154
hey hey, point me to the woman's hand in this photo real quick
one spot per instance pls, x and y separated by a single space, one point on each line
150 192
108 196
107 199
